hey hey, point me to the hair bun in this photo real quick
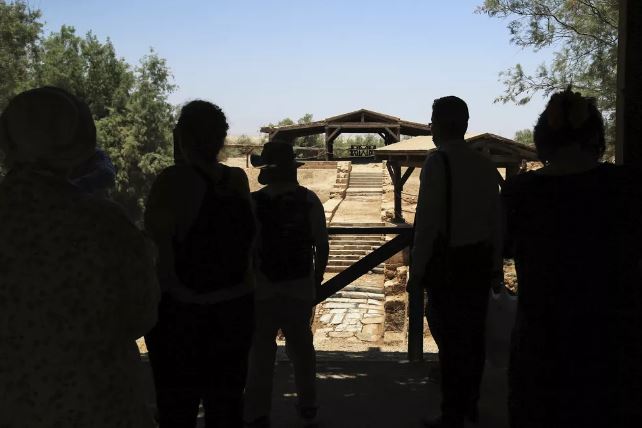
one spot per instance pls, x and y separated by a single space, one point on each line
568 108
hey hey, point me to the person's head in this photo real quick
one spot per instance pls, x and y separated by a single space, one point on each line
277 163
449 119
200 132
47 128
569 119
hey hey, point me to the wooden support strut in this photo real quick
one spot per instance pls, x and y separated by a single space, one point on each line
363 266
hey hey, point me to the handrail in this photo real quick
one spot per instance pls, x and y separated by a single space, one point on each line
398 243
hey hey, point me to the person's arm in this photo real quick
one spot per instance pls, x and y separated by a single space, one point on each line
428 217
319 238
497 237
161 225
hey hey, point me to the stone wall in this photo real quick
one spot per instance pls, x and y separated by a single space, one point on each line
396 304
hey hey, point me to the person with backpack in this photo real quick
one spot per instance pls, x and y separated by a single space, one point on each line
292 254
199 214
456 257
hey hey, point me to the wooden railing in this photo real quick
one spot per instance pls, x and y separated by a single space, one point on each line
353 272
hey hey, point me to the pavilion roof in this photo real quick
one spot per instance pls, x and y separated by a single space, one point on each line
358 121
413 151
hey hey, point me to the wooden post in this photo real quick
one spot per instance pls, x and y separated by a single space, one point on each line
629 93
416 324
398 186
331 134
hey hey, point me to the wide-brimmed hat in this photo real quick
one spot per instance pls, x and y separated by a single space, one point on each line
275 154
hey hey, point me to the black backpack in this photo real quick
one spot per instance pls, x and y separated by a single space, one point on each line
215 252
285 243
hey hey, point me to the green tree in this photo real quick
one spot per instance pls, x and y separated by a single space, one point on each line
20 30
309 140
585 34
139 139
524 136
87 68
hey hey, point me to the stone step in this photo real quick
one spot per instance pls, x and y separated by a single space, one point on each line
358 240
368 237
338 252
353 257
349 224
351 247
343 262
364 288
336 269
363 191
359 295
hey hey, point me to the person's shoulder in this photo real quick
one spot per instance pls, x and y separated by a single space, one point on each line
519 183
311 196
434 162
177 174
107 215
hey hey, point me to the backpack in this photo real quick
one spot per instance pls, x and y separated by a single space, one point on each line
285 248
215 252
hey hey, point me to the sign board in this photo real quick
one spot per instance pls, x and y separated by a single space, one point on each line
362 151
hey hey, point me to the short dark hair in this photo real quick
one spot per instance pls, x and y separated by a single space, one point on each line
569 118
452 113
203 126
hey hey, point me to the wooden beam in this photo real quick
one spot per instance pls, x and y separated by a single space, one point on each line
364 125
629 91
363 266
406 175
391 172
394 135
333 135
396 168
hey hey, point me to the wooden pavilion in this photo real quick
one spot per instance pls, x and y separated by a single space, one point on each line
505 153
389 128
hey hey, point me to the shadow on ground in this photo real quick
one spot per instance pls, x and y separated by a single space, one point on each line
377 389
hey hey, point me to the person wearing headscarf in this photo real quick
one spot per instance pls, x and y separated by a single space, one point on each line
574 228
96 175
77 280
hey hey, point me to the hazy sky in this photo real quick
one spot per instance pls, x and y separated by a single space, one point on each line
263 60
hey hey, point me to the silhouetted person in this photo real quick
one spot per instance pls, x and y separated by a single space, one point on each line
77 280
199 213
576 236
96 175
291 257
457 208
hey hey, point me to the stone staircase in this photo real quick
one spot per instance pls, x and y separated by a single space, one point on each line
365 183
345 250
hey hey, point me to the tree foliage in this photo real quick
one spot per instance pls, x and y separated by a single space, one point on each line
524 136
585 36
20 31
129 103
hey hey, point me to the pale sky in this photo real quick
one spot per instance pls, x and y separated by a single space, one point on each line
264 60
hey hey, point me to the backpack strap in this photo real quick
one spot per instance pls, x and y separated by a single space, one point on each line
448 182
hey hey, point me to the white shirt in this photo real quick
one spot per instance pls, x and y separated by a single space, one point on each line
475 203
300 288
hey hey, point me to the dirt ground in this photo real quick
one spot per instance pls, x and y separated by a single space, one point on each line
320 181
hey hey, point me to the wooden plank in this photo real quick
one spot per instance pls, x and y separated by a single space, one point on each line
629 93
362 125
406 175
363 266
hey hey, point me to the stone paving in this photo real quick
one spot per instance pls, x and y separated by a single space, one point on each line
356 313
